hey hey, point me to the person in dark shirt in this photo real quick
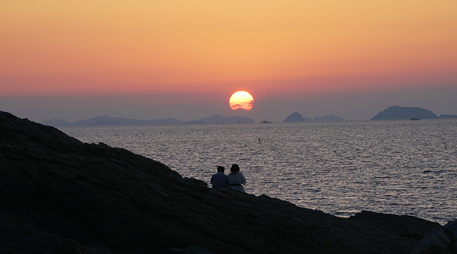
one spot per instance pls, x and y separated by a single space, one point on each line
220 180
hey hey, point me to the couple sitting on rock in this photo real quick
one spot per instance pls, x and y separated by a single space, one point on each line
233 181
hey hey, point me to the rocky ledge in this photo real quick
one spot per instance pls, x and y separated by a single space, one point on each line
59 195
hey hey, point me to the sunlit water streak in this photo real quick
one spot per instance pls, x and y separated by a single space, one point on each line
396 167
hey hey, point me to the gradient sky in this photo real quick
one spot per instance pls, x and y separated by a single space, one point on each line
183 59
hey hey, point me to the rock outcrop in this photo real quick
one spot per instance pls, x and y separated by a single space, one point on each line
59 195
442 240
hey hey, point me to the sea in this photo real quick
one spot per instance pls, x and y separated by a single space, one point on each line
400 167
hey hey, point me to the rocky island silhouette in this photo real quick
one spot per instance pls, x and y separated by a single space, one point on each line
413 113
60 195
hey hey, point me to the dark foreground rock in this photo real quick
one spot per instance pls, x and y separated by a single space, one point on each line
59 195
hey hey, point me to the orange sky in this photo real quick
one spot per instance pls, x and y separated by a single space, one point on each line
218 47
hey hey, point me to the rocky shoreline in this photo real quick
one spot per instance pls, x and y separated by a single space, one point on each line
60 195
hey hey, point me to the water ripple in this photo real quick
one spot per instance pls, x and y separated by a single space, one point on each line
397 167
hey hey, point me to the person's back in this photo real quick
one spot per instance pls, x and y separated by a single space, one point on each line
236 178
220 180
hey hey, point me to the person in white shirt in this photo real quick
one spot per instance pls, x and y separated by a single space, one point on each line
236 178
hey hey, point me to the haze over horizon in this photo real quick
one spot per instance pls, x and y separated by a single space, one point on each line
179 59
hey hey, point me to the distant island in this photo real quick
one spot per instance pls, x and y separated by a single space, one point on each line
109 121
390 113
297 117
214 119
413 113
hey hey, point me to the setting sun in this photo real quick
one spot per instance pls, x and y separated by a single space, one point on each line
241 100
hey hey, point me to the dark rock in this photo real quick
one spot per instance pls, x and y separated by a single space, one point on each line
439 240
403 225
452 249
435 241
59 194
451 229
191 250
70 246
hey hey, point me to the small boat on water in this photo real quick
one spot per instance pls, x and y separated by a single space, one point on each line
266 122
414 118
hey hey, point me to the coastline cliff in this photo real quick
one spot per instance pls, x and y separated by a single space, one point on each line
60 195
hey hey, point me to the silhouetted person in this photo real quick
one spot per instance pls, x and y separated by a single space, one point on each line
236 178
220 180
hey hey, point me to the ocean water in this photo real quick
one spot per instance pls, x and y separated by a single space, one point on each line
398 167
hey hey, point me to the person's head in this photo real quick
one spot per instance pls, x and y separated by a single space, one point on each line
220 169
235 168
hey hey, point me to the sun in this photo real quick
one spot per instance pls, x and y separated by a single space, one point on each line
241 100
